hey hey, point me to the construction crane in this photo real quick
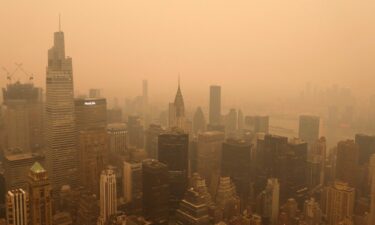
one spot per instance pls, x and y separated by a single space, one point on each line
9 75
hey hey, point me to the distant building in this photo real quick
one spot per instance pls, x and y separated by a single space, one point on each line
151 140
16 168
199 122
108 195
309 128
40 195
192 209
173 151
136 132
338 202
231 122
114 115
88 209
316 164
90 113
215 105
155 179
17 207
94 93
257 124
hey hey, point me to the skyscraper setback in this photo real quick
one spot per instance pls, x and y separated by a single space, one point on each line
60 119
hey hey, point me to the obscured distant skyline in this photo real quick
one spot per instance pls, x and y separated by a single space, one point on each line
251 48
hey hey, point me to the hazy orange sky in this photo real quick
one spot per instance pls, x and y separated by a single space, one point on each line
250 47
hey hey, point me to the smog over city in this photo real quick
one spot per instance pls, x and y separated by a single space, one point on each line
200 112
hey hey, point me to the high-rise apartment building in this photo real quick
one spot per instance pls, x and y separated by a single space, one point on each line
155 179
62 153
309 128
108 195
173 151
338 202
40 195
215 105
17 207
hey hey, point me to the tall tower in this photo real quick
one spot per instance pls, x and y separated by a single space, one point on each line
309 128
17 207
61 139
215 105
108 195
40 196
177 111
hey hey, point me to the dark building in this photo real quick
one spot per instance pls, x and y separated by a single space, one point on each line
173 151
151 140
193 209
135 131
236 164
347 162
88 209
366 144
155 179
91 113
114 115
215 105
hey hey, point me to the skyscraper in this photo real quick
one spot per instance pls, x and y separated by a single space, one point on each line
309 128
17 207
338 202
40 192
366 144
118 137
257 123
61 139
227 199
177 111
108 195
155 181
135 131
215 105
173 151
